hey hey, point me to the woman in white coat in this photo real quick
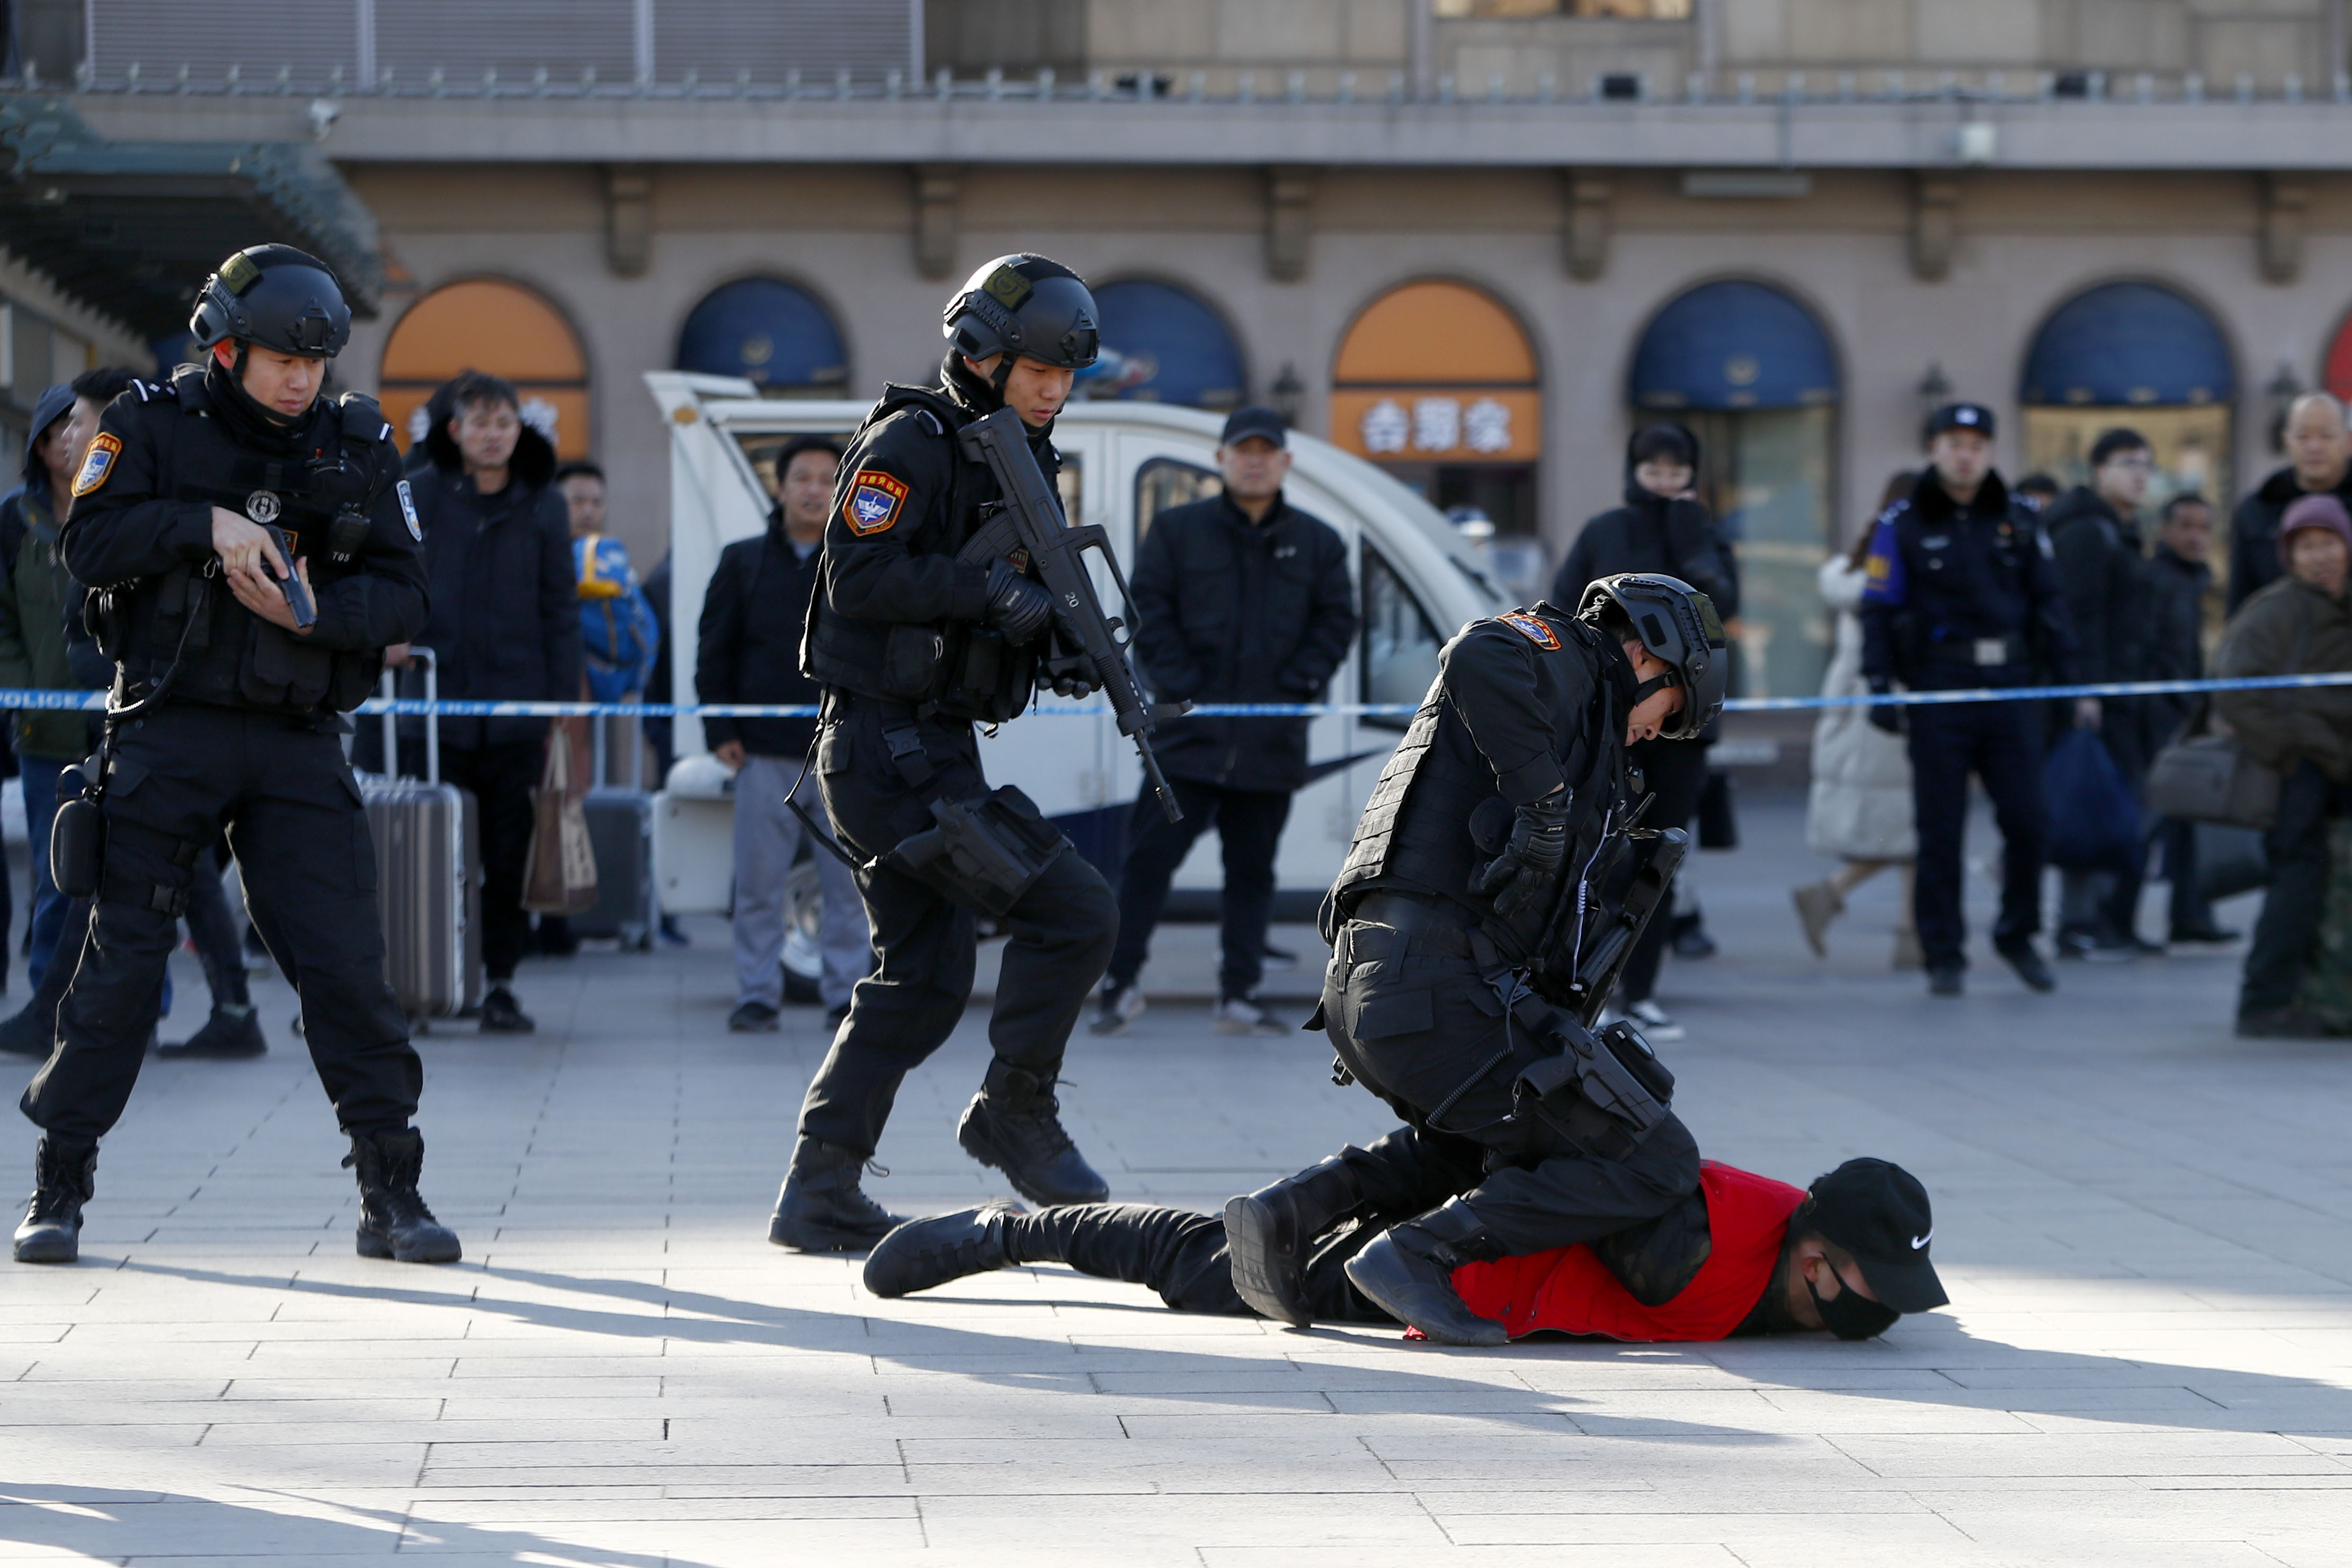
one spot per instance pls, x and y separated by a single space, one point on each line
1860 808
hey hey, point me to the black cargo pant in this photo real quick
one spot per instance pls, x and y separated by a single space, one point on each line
2001 742
1249 830
294 817
924 941
1184 1256
1412 1018
2296 846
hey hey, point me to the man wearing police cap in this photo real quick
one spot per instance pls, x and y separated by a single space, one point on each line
250 551
1483 861
914 643
1962 592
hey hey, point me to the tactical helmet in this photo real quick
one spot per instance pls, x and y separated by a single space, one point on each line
1028 307
1679 626
278 297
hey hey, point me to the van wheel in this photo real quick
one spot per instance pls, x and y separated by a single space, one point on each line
803 960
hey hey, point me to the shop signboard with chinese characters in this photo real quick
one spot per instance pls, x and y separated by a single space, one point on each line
1439 424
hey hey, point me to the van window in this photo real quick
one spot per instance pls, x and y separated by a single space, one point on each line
1164 482
1400 645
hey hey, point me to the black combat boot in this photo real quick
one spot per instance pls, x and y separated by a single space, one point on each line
1014 1123
1268 1233
393 1221
232 1031
822 1209
922 1252
64 1179
1408 1273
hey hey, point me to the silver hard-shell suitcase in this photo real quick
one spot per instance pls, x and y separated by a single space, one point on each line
428 862
621 830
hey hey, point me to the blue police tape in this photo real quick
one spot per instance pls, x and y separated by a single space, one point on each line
48 700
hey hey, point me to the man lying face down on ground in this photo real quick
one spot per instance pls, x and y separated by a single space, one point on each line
1742 1255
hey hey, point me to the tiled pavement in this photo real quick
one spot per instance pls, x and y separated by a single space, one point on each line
2149 1360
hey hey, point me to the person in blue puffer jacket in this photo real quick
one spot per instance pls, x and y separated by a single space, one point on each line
619 636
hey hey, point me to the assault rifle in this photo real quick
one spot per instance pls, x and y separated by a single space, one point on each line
1032 534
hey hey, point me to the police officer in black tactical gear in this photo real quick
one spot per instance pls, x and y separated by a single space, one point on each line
235 661
1961 591
1492 812
914 645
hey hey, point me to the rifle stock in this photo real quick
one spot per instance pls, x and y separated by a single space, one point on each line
1031 525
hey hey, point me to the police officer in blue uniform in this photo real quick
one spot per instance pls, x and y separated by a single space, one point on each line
1962 593
234 666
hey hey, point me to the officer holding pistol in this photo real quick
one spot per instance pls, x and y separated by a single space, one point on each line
1478 866
251 551
914 644
1962 592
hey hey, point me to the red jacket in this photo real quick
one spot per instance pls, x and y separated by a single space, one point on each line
1569 1290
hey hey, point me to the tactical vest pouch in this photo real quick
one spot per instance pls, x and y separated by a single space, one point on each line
281 671
76 835
985 853
988 679
1604 1092
911 656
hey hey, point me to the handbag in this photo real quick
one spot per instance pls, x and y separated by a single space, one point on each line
2204 778
559 875
2094 823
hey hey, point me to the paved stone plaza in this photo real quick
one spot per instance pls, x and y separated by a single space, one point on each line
2149 1359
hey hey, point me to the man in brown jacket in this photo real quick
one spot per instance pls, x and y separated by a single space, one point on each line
2302 624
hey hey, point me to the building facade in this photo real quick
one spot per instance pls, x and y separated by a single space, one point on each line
1478 241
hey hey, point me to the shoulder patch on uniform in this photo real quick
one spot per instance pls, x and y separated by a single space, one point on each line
874 501
1534 628
408 511
98 463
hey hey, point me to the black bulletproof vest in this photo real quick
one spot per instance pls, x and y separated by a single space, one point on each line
950 668
1416 834
226 655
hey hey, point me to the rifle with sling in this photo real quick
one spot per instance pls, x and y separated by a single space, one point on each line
1031 533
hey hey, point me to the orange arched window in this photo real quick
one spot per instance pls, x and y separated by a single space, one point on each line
1437 373
501 328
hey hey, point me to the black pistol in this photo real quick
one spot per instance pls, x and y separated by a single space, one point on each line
298 595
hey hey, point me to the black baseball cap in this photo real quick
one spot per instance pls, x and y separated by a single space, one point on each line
1254 419
1973 417
1878 1212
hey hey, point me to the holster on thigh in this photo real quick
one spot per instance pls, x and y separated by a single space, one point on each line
148 869
985 853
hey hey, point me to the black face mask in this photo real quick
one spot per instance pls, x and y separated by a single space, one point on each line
1850 1315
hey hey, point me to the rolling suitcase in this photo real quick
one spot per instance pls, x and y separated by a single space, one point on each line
621 829
428 864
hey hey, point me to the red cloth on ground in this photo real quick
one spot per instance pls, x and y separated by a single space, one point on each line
1571 1290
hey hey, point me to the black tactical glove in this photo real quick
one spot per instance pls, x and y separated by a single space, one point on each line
1885 716
1074 685
1016 606
1523 872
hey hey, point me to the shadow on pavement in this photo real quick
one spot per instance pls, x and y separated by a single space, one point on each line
111 1524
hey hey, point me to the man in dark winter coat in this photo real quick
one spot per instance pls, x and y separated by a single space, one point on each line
504 626
2094 538
1244 598
2319 460
753 615
2175 581
1662 529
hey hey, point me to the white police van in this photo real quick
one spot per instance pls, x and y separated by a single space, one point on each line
1416 582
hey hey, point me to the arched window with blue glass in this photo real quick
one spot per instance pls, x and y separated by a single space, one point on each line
1163 344
773 334
1750 372
2139 355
